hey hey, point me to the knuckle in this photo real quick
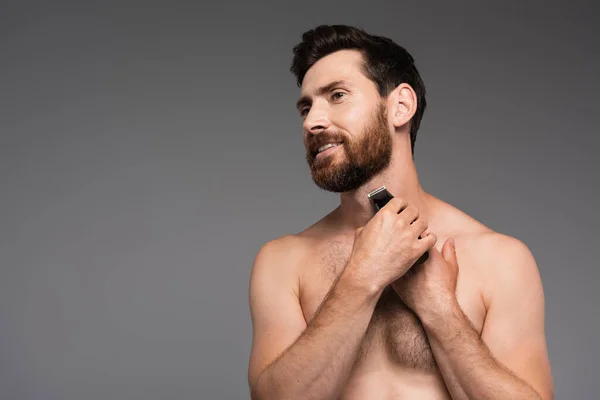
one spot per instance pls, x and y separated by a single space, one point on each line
387 213
401 222
399 202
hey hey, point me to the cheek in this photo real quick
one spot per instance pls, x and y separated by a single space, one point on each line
350 118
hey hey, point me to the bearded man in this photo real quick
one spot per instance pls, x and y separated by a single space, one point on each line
344 309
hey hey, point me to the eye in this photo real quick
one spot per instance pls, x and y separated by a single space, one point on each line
337 95
304 111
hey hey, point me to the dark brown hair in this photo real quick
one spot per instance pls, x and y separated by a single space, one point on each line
386 63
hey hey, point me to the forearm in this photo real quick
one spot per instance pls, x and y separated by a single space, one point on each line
318 363
468 367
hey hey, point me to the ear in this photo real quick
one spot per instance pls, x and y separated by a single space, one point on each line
403 103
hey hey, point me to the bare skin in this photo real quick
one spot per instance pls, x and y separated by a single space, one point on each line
333 322
394 354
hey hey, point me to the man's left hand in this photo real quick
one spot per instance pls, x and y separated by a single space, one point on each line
429 288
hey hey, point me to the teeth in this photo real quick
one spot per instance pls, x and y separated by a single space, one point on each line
325 147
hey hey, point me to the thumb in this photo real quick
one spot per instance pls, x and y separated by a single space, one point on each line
449 251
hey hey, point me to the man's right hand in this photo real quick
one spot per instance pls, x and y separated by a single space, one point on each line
389 245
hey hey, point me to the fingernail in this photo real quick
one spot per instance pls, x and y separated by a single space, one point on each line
452 243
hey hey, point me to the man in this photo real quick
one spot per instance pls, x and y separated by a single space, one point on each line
343 310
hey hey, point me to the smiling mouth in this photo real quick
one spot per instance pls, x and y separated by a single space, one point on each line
326 151
326 148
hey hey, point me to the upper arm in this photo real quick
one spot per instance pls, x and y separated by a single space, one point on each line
277 318
514 325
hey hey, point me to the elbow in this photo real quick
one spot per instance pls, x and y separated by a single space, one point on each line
263 391
255 395
258 390
261 394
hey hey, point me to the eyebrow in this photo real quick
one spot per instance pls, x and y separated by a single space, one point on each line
304 100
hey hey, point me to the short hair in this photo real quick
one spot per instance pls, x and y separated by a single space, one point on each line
386 63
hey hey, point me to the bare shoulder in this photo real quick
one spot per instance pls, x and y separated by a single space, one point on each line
277 260
494 245
491 260
283 260
503 261
275 252
501 253
483 246
280 246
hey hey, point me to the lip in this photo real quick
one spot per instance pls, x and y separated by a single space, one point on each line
327 152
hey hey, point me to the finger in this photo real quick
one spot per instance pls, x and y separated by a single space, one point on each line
409 215
419 226
428 241
395 205
449 252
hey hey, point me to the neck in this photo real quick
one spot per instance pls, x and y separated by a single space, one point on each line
400 179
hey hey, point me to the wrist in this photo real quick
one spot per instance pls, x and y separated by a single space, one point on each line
445 309
355 281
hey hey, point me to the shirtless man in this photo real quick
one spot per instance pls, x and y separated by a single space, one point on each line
343 310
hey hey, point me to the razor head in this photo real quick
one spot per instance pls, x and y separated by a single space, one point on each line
379 198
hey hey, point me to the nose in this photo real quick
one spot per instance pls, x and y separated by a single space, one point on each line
317 120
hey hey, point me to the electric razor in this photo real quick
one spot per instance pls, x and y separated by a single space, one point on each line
379 198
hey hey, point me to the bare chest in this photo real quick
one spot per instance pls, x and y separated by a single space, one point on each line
394 331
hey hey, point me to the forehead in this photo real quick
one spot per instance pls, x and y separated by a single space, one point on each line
343 65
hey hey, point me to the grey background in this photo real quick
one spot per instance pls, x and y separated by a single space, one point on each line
148 150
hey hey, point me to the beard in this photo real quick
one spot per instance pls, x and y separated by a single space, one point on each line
359 159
